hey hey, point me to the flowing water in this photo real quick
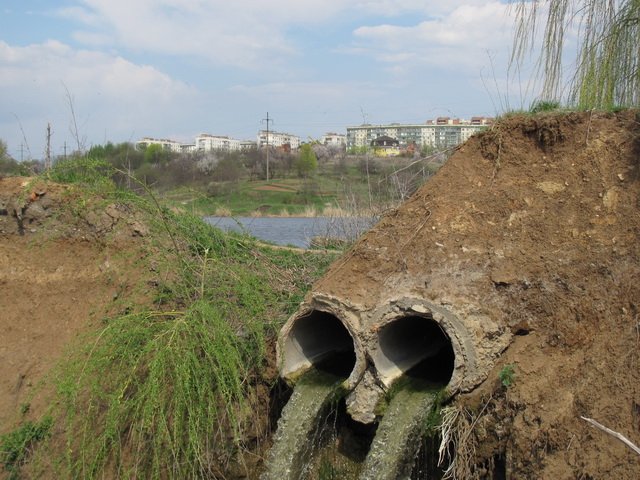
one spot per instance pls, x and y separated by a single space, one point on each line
308 445
398 438
294 441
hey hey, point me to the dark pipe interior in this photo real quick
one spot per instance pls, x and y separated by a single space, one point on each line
421 341
324 340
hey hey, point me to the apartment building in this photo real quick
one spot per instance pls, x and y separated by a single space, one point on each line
443 132
334 140
277 139
206 143
168 145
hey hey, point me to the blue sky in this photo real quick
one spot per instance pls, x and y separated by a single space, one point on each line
177 68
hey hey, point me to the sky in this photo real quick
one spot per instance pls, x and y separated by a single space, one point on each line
103 71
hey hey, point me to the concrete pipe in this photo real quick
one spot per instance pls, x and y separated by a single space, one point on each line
372 347
322 335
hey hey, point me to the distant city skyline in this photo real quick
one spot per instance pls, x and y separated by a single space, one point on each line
177 68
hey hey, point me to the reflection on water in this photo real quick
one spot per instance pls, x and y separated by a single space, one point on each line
296 231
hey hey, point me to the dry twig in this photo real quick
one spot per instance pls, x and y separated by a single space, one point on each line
613 433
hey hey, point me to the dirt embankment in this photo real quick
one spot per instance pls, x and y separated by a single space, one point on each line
61 271
536 223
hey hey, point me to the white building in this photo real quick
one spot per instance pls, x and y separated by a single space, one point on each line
168 145
277 139
334 140
206 142
443 132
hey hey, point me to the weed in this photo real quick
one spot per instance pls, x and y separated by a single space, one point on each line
15 446
544 106
507 375
172 389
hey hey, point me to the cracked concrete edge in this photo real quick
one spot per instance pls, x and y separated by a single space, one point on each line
347 313
477 340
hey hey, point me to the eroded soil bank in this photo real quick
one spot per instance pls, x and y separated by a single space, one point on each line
532 229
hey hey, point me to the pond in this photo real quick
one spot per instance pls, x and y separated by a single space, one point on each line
295 231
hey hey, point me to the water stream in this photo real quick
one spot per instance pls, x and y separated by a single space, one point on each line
307 443
398 438
294 441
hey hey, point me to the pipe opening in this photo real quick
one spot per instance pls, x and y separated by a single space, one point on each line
318 339
416 346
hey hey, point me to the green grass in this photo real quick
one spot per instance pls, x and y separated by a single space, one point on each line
171 390
349 189
507 375
16 445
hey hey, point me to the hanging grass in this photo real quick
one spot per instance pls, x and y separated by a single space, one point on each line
170 390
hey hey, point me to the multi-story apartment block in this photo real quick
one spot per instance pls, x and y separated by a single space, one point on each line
334 140
169 145
203 143
277 139
206 142
443 132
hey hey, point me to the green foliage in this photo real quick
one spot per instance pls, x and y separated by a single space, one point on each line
507 375
171 392
155 154
123 156
15 446
307 162
10 166
86 171
544 106
228 168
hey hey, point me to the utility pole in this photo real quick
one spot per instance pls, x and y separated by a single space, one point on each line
47 159
65 149
267 120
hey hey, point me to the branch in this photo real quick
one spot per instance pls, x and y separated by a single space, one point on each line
613 433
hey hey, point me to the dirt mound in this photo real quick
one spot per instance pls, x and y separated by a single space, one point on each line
63 266
534 222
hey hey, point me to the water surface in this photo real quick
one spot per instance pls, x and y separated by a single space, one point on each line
295 231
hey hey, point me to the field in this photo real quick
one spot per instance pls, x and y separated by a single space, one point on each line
333 189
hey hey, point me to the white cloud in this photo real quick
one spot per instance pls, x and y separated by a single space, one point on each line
428 7
109 93
244 34
458 40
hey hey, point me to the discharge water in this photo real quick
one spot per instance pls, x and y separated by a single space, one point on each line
392 452
397 439
294 443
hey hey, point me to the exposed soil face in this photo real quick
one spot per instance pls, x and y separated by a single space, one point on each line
534 223
60 273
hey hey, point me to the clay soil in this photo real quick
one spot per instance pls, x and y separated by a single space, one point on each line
61 272
536 223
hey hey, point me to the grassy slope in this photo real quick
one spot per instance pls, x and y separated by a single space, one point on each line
177 389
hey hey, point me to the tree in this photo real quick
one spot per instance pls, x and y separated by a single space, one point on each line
607 73
307 162
155 154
